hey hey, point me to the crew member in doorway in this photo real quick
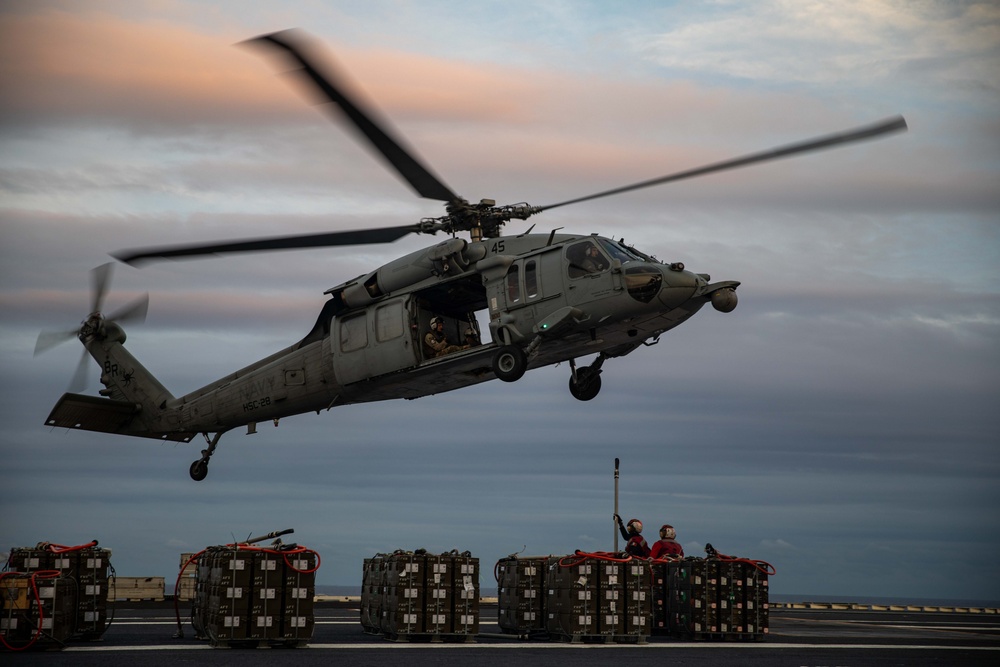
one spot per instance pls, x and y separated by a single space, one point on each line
435 341
636 545
667 544
471 339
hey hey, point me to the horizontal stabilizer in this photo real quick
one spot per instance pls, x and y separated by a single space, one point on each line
103 415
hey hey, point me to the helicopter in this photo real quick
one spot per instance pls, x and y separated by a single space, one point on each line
411 328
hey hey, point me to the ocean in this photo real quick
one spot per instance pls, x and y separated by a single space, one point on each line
811 597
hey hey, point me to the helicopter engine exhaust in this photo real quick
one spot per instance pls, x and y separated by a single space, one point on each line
724 300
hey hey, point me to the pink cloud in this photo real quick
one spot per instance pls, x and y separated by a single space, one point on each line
94 65
480 125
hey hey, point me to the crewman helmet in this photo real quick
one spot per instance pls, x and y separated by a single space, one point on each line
634 526
667 532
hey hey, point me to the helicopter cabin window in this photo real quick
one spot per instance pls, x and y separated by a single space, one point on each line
585 258
513 286
389 322
353 333
530 279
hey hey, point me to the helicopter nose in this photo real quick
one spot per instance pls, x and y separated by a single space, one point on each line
678 285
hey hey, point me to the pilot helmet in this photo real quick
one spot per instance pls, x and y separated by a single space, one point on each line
667 532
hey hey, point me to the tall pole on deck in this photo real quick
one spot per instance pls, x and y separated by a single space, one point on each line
614 522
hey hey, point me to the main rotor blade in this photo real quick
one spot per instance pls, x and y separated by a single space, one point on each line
894 124
333 89
355 237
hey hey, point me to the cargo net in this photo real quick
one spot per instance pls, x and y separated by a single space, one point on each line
52 593
419 596
716 598
252 596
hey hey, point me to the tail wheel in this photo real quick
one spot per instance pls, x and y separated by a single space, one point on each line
199 470
510 363
587 384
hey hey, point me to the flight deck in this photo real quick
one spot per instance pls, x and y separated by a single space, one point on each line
799 634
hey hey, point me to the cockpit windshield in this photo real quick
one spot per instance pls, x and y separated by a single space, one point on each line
620 252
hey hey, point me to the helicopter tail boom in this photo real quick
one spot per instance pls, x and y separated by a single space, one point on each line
134 402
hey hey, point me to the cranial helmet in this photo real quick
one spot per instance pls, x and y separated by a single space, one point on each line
667 532
436 320
634 526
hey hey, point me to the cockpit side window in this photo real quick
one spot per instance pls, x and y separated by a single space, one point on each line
586 258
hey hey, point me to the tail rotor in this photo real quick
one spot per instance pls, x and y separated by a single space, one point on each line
96 323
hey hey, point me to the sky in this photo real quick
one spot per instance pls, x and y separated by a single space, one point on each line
840 424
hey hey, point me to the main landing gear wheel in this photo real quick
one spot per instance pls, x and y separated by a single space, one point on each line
199 470
586 385
510 363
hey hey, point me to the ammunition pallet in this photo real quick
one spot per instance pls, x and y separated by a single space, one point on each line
711 599
247 597
417 596
80 608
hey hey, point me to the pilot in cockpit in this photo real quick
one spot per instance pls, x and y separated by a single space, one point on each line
593 260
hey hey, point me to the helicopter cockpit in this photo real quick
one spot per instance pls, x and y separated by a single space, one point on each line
643 278
585 258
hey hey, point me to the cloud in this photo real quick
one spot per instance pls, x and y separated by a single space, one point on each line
90 66
776 545
174 77
821 44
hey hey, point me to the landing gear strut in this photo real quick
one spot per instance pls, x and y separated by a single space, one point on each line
199 469
585 382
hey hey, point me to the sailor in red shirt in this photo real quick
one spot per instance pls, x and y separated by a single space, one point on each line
667 545
636 545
